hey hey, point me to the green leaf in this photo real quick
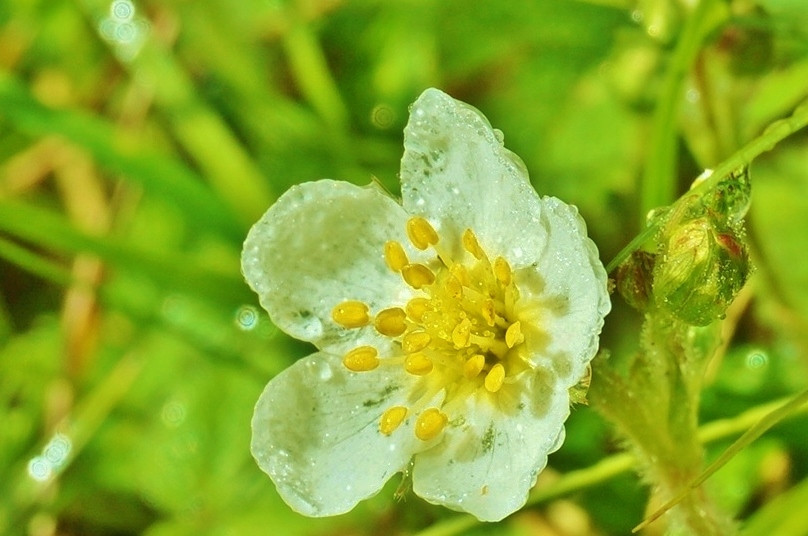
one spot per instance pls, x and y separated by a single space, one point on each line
160 174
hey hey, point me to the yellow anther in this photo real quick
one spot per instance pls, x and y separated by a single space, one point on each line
391 322
502 270
417 275
392 419
471 244
453 287
415 341
473 366
416 308
418 364
495 378
489 312
462 333
394 256
461 273
430 423
351 314
361 359
421 233
514 335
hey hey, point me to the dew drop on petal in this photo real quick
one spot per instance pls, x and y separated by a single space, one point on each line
559 440
322 370
311 326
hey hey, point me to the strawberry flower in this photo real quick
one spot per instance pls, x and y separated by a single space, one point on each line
450 326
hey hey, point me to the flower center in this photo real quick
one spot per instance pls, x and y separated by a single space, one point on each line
460 333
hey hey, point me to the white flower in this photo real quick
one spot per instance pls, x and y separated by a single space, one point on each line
450 327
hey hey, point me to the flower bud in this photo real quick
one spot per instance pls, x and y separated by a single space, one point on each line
730 199
700 270
635 278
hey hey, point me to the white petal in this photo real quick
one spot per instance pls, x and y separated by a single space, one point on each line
320 244
487 465
316 433
569 284
456 172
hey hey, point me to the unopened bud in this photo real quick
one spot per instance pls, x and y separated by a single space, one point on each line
635 278
700 271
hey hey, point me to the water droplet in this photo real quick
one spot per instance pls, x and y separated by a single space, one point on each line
382 116
246 317
321 369
499 135
756 359
125 33
310 326
122 11
40 469
173 414
57 450
559 440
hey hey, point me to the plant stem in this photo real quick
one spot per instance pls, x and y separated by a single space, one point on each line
771 136
760 427
658 187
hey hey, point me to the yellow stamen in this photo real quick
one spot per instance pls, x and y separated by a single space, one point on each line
502 270
421 233
430 423
461 333
514 335
471 244
418 364
453 287
391 322
392 419
416 308
394 256
461 273
361 359
351 314
417 275
489 312
495 378
473 366
415 341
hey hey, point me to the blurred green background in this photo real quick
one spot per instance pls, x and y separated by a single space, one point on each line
139 141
